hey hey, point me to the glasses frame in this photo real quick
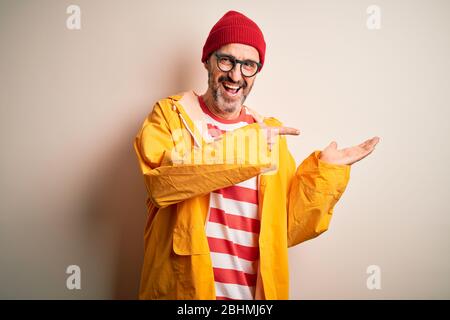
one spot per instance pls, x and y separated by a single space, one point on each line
234 61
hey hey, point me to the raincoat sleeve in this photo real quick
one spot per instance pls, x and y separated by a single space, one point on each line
315 188
168 183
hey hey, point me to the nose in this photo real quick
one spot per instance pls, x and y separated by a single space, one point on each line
235 73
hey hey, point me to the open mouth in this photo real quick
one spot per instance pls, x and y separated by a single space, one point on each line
231 89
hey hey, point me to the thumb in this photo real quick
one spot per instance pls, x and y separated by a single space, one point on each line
332 145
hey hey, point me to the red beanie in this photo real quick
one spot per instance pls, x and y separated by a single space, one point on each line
234 27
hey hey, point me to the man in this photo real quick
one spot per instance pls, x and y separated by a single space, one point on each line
225 200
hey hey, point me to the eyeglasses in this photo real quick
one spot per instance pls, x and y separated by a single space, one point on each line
226 63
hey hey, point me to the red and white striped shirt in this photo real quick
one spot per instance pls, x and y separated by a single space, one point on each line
232 226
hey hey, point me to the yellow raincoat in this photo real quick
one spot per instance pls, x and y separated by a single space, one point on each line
295 205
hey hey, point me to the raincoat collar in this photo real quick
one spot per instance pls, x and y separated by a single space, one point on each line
187 106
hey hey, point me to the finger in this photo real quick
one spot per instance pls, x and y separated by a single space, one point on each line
288 131
365 152
364 144
331 145
270 144
372 144
369 144
375 140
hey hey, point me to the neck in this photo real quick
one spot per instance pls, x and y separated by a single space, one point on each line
212 106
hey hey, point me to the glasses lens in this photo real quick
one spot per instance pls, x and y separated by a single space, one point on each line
225 63
249 68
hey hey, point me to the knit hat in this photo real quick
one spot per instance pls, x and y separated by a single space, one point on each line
234 27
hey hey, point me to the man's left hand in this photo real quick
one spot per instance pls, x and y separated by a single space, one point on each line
348 156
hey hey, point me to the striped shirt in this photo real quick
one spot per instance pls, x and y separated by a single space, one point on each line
232 226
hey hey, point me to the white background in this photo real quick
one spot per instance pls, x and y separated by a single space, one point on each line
72 101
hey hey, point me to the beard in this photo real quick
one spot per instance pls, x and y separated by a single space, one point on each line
223 102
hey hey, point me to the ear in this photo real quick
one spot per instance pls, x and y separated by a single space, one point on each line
205 64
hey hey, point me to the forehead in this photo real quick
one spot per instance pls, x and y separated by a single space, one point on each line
240 51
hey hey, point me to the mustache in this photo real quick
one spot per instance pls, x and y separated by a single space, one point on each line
242 84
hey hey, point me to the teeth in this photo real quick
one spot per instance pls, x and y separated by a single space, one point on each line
231 87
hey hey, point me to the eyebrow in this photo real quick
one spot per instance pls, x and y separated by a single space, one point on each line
231 56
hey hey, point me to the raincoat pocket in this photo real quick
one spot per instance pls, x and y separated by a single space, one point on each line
190 241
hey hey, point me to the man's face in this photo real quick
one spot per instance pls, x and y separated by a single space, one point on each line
222 83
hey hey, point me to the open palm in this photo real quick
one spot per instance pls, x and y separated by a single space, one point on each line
350 155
